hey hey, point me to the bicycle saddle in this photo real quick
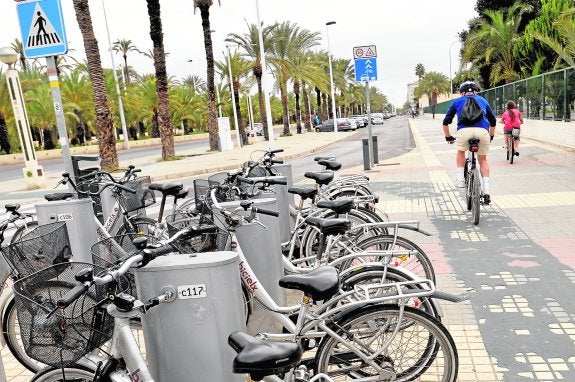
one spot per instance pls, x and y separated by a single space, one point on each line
329 226
12 207
330 164
166 189
339 206
320 177
303 192
58 196
260 358
320 284
182 194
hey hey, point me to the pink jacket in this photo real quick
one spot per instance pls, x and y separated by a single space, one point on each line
511 123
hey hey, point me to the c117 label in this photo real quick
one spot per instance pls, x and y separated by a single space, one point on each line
192 291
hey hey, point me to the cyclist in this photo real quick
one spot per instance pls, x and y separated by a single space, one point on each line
484 130
511 119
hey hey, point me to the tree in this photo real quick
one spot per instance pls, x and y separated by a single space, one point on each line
204 6
164 122
564 43
125 46
306 69
432 84
104 129
419 71
19 48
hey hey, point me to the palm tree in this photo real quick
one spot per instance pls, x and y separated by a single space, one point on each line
306 69
204 6
249 42
104 128
564 45
76 96
5 115
433 84
164 122
420 71
125 46
287 41
19 48
494 40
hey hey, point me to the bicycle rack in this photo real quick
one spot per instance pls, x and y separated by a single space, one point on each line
282 201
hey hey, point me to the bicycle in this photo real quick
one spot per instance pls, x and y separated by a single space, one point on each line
511 145
473 193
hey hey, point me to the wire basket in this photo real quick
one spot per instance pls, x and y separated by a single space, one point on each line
43 246
107 252
5 271
202 195
60 337
141 199
206 242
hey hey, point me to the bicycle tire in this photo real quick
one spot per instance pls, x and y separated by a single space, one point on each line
71 374
143 225
419 264
512 149
375 274
23 230
476 197
437 352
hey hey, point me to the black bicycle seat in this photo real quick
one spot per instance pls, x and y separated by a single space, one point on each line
339 206
330 164
329 226
303 192
166 189
261 358
320 284
320 177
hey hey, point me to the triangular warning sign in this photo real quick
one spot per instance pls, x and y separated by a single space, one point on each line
42 34
369 53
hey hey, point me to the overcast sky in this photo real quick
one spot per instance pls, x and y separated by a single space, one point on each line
405 32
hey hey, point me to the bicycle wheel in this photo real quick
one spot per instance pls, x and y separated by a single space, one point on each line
378 274
475 196
68 374
417 263
424 347
511 151
145 226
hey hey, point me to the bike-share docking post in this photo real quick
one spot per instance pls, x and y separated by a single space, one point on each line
285 170
279 192
186 338
261 247
78 214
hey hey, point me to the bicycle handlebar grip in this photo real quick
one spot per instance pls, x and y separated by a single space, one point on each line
243 179
282 182
275 151
276 161
150 254
72 295
122 187
262 211
88 176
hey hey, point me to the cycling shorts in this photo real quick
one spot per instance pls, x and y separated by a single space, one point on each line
465 134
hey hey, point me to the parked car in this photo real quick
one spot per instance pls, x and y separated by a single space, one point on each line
258 129
376 118
360 120
343 124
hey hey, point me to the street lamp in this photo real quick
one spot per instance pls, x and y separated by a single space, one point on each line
450 74
120 104
33 173
333 110
266 84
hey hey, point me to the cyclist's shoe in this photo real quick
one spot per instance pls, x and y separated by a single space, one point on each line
460 184
486 199
516 153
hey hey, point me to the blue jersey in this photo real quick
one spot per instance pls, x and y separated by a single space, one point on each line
457 105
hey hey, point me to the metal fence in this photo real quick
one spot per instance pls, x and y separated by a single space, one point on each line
549 96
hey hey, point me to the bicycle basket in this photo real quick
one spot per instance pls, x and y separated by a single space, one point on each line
63 337
202 191
107 252
43 246
206 242
515 132
141 199
5 271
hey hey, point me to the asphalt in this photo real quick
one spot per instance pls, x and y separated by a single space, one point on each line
517 264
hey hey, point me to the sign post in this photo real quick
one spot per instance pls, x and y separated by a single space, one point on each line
365 63
44 35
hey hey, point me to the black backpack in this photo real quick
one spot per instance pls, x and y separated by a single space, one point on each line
471 112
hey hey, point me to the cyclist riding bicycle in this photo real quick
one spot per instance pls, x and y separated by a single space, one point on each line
512 119
484 129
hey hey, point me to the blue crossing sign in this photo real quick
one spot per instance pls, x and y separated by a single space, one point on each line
42 28
365 69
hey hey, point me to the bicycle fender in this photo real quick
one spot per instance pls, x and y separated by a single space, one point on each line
4 300
415 229
457 298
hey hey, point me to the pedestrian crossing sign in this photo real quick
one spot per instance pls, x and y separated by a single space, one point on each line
42 28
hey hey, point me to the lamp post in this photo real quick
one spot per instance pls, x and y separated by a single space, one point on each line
450 74
265 85
333 110
33 173
120 104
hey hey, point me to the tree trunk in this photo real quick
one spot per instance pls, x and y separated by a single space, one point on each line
126 71
324 110
212 118
240 126
155 125
284 98
257 69
296 90
104 126
186 124
307 114
4 138
164 121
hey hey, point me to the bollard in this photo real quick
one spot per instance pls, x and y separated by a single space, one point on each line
374 145
366 161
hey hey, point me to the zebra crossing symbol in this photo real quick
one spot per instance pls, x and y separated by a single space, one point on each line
42 33
42 28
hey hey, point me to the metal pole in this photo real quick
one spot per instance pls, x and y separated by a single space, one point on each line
58 110
251 111
219 102
234 99
369 126
120 104
333 110
265 84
